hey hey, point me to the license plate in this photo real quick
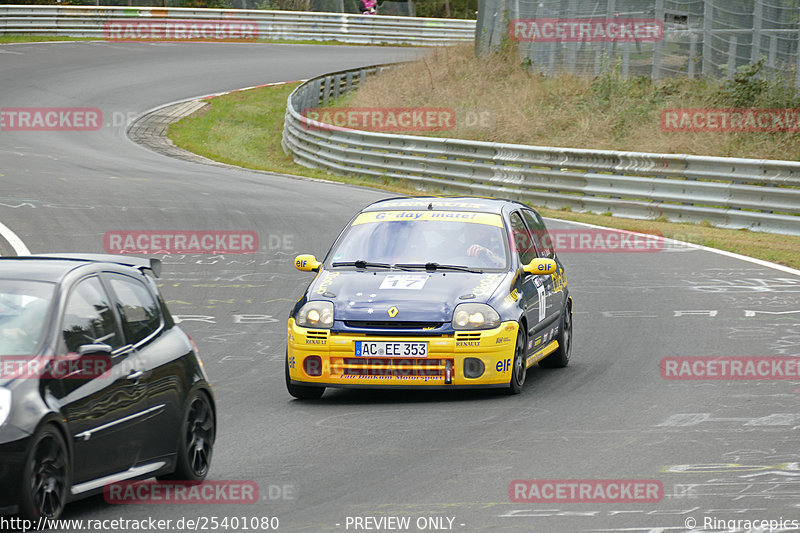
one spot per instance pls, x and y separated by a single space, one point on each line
391 349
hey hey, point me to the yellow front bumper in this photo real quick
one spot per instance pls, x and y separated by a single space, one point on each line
341 368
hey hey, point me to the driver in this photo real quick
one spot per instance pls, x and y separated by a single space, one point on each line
488 246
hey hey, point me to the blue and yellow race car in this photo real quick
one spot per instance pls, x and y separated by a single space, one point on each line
431 292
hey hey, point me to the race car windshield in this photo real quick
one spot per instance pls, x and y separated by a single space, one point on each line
23 311
419 242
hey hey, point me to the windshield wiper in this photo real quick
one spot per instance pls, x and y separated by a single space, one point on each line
361 263
436 266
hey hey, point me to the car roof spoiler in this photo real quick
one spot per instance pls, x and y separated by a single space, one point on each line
151 264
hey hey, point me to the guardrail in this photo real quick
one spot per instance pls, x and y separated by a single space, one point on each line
762 195
73 21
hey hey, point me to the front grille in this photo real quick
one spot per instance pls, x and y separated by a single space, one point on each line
356 366
468 336
391 324
317 335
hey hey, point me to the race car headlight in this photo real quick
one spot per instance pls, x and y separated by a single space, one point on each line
475 316
5 405
316 315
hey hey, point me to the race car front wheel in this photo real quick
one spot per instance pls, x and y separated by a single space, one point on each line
299 391
519 368
560 358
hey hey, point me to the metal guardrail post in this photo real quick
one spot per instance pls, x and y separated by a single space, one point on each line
692 55
708 24
755 49
797 63
773 51
731 67
658 46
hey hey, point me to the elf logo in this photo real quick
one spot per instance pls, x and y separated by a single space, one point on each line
503 366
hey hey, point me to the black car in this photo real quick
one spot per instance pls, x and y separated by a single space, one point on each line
97 383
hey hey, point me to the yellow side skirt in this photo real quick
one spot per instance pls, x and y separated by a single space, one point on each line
541 354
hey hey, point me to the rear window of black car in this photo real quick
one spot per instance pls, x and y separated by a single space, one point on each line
140 313
88 318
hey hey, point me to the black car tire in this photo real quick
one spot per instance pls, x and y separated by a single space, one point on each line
560 358
519 368
299 391
196 444
45 479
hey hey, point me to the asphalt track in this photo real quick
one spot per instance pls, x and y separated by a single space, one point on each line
722 449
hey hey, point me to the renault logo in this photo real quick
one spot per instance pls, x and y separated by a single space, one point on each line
393 312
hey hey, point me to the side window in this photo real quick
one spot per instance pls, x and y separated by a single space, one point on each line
137 307
542 239
88 318
523 242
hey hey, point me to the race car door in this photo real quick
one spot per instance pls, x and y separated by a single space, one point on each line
555 295
103 410
534 296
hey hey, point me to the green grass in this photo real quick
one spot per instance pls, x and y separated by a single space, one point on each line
25 38
245 128
607 112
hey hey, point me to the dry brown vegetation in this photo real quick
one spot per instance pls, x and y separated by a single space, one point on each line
607 112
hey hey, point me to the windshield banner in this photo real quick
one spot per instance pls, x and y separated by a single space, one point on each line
488 219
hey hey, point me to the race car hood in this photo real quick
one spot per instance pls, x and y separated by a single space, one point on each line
417 296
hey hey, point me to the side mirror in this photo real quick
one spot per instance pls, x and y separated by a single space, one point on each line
94 349
541 267
306 263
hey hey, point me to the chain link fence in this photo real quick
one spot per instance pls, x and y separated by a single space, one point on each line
658 38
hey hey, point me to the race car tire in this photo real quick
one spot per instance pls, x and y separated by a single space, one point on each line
196 442
518 367
46 477
299 391
560 358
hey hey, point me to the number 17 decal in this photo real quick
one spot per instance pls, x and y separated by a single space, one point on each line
404 281
542 297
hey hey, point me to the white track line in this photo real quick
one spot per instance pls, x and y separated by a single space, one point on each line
760 262
15 242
